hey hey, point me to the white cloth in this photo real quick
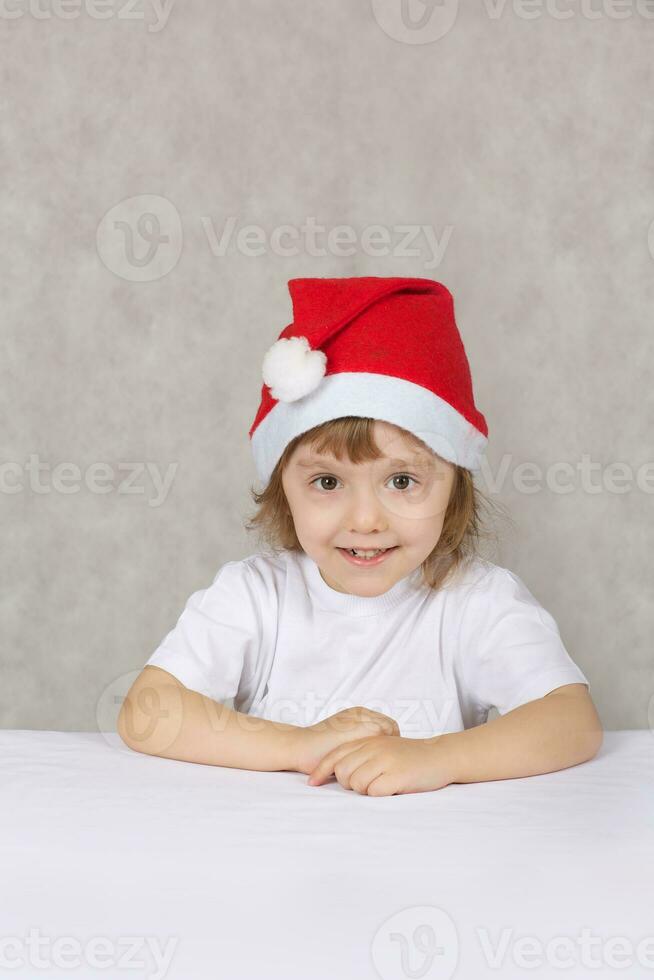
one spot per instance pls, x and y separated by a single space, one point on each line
219 872
271 635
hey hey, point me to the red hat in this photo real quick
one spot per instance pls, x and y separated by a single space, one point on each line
375 347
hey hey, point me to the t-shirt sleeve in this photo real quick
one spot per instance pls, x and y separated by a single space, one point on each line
511 648
217 638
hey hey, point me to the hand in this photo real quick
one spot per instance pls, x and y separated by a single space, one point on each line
311 744
383 765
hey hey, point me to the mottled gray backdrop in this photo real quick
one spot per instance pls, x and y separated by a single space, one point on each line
166 168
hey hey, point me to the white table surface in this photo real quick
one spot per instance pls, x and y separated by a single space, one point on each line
237 874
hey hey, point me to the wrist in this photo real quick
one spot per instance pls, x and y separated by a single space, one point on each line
443 751
291 739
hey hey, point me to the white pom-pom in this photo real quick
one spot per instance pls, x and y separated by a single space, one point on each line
291 369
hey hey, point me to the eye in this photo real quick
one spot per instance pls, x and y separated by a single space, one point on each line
315 480
404 476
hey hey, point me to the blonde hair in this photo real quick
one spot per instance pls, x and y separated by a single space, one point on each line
463 526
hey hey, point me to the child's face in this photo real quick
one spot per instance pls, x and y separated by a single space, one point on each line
376 504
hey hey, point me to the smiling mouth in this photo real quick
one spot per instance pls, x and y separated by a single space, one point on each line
376 551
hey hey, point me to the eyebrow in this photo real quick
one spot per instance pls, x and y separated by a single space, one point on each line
317 460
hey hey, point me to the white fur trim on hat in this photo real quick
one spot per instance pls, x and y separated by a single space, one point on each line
291 369
376 396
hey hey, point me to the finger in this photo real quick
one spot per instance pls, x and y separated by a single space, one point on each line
364 774
389 727
385 784
325 767
322 772
344 767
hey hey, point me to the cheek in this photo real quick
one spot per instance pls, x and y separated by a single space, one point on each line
313 500
308 507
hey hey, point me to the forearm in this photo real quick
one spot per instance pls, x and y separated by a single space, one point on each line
545 735
175 723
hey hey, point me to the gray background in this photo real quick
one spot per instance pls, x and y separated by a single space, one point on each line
531 139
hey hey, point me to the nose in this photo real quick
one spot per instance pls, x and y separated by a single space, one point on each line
365 512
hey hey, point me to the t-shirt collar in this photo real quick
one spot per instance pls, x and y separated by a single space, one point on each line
327 598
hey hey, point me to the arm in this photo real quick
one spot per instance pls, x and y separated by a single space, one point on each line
559 730
160 716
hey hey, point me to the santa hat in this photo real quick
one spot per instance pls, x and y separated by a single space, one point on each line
371 346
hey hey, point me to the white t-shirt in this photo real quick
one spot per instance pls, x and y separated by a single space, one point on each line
270 634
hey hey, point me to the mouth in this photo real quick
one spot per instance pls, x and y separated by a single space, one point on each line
364 562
